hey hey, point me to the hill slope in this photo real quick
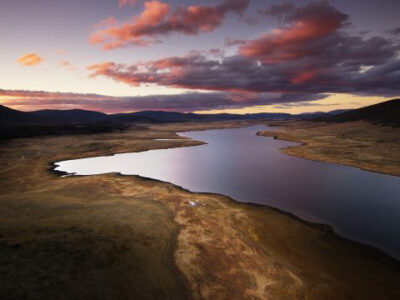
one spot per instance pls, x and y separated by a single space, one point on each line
72 115
12 116
165 117
387 113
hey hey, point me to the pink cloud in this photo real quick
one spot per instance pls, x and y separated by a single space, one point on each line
306 26
158 20
324 72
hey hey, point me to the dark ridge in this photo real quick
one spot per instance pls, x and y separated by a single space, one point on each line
12 116
320 114
385 113
8 131
164 117
14 123
18 124
72 115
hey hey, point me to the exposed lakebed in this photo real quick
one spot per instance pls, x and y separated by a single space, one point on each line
360 205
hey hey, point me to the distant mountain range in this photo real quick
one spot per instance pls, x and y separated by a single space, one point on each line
14 123
47 116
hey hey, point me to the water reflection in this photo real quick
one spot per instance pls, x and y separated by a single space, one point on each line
360 205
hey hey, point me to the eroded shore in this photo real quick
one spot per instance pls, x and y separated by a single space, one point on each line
125 237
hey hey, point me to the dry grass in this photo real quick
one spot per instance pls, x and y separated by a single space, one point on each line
124 237
360 144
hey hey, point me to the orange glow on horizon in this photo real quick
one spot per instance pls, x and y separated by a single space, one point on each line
332 102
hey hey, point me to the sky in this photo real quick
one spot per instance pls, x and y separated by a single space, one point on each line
236 56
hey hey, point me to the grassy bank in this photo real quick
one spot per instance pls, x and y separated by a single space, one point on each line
371 147
125 237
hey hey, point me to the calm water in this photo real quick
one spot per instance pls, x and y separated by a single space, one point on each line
360 205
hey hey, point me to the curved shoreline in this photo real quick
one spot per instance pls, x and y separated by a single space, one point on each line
315 156
302 144
378 253
126 226
328 229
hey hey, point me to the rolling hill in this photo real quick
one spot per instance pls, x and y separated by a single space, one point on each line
72 115
386 113
165 117
14 123
12 116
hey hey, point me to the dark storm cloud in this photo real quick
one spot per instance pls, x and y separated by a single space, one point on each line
360 68
395 31
309 54
182 102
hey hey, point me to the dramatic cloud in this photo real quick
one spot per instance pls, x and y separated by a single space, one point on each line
157 20
30 59
245 75
304 28
33 100
194 71
308 54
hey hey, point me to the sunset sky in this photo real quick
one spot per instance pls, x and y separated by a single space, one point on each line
238 56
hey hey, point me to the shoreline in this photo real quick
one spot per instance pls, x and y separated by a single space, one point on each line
305 148
301 144
379 253
222 248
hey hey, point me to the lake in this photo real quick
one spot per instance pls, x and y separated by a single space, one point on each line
360 205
